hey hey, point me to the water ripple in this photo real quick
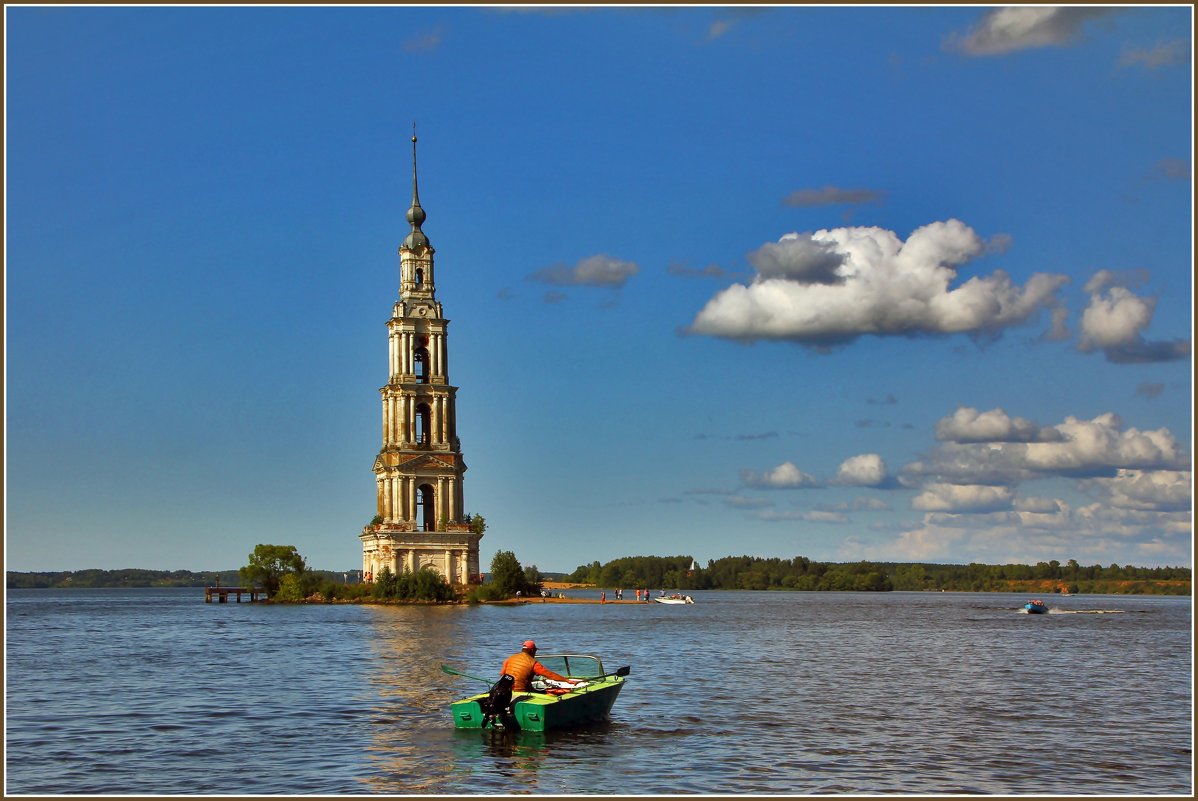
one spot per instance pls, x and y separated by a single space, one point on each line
741 693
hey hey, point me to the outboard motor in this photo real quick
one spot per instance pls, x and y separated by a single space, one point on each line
498 702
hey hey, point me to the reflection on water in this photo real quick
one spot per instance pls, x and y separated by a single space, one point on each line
513 758
406 645
740 693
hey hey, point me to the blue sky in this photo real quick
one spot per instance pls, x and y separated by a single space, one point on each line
906 284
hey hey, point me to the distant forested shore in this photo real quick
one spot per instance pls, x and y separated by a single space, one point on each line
801 573
135 577
735 573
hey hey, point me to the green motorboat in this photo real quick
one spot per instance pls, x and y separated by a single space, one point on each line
546 707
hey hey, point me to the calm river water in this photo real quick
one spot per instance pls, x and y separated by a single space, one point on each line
156 692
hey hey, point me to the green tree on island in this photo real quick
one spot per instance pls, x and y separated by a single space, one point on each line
425 584
269 564
509 577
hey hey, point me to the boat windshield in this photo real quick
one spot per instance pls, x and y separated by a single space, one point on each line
572 665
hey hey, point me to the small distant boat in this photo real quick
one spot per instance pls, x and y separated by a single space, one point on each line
1035 608
675 599
548 706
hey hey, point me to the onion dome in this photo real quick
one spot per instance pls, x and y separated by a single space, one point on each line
416 239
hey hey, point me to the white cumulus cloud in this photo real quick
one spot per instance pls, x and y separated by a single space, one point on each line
1114 322
835 285
1115 318
866 470
1092 534
1148 490
970 425
963 498
784 476
1087 446
1076 448
1003 30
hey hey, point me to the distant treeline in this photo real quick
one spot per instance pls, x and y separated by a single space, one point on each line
801 573
735 573
134 577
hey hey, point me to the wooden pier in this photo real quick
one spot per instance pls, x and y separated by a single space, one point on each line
222 593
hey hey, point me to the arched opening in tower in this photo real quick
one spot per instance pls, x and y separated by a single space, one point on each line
425 516
422 365
424 417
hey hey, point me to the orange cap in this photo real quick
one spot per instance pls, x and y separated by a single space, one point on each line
530 645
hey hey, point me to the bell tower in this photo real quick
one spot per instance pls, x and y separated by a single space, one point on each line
420 520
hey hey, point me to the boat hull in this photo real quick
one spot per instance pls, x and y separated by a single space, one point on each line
1035 609
542 711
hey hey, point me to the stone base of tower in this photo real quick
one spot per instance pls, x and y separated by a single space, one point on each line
453 554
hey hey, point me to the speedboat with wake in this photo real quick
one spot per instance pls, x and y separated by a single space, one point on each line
1035 607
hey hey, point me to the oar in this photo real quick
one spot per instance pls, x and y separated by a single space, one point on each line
452 672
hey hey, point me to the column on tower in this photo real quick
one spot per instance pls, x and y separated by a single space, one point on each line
411 493
436 424
393 500
393 355
390 418
409 432
397 420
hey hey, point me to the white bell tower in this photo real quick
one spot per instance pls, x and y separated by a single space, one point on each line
421 519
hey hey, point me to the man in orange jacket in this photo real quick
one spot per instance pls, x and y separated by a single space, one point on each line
523 665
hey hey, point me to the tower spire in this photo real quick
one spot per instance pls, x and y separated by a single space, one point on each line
416 216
